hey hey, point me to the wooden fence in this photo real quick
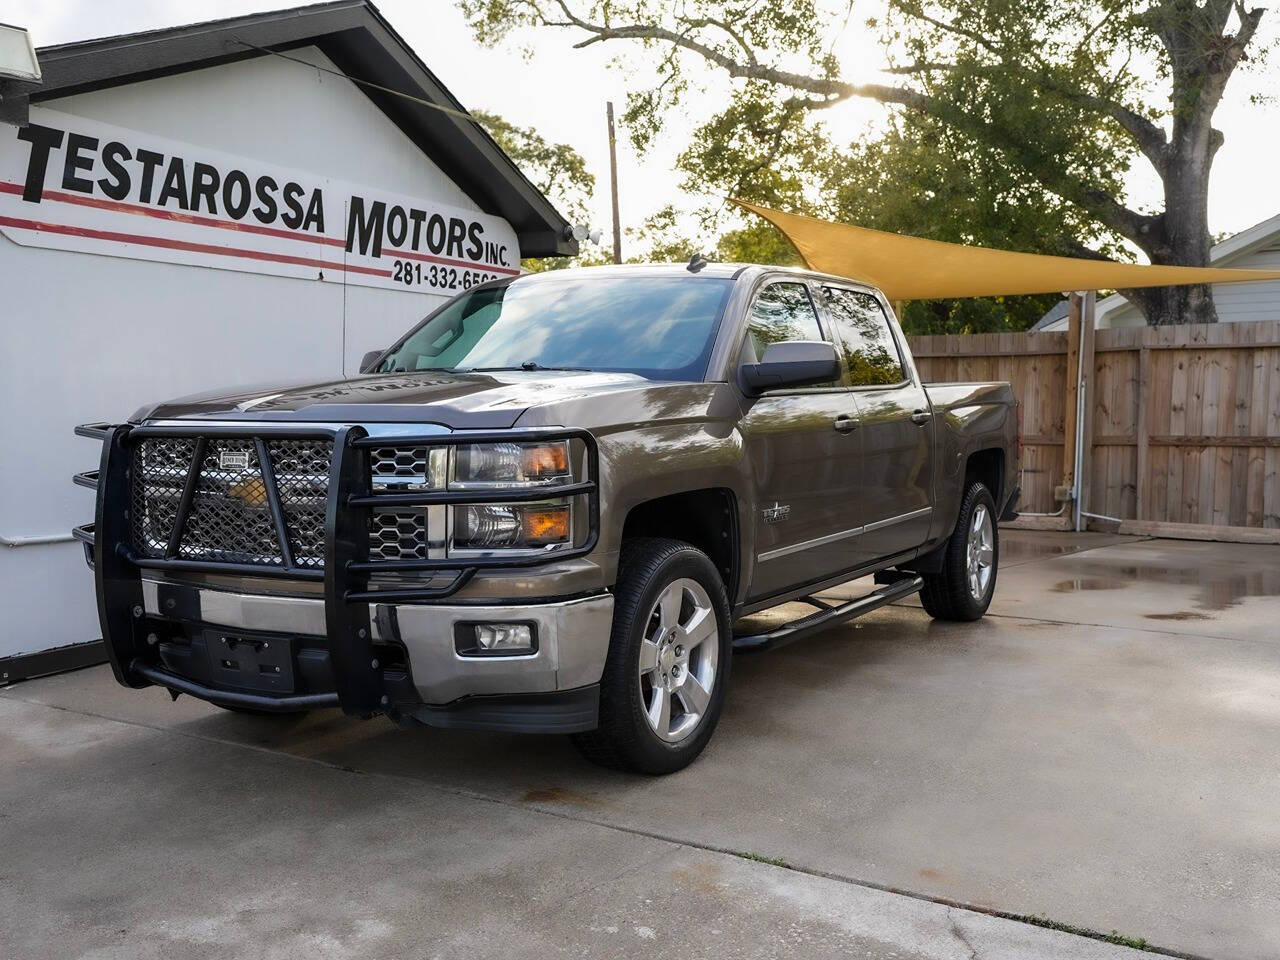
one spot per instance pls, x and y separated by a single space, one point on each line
1182 424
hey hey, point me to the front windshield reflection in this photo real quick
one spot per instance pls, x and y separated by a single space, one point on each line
657 327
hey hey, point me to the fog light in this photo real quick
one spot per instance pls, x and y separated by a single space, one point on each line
504 636
495 639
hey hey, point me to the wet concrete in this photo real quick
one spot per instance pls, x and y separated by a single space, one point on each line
1094 757
1197 588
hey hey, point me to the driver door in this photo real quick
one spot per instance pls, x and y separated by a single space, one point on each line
804 451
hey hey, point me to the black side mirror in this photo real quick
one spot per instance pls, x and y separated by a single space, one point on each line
370 359
792 363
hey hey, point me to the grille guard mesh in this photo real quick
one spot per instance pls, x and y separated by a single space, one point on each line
230 519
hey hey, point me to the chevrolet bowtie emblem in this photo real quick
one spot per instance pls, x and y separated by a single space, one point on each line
252 492
776 513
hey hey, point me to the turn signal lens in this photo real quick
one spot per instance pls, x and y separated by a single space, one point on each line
546 525
546 460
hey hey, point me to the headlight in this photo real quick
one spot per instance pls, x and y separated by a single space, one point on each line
480 465
527 526
530 526
542 525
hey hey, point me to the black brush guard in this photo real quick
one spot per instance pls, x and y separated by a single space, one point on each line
360 686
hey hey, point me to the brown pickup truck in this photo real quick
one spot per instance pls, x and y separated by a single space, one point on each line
547 505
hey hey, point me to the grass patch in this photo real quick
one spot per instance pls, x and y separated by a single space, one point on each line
1115 936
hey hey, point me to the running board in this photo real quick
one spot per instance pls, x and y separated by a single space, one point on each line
827 616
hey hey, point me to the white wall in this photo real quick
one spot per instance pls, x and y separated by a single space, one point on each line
86 337
1251 301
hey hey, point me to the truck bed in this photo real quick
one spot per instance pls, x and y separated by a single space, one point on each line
950 396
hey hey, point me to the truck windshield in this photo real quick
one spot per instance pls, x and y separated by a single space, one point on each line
661 328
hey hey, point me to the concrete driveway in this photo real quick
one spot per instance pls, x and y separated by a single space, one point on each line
1098 753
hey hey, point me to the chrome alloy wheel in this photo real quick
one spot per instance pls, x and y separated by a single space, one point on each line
980 554
678 659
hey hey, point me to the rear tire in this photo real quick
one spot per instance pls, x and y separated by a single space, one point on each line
963 589
664 681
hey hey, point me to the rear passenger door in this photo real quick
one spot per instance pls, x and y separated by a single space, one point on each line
803 447
895 424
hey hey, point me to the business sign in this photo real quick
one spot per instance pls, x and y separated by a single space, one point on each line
67 183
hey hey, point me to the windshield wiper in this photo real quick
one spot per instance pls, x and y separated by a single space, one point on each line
527 365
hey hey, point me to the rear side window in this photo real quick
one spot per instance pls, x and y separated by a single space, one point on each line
782 311
870 354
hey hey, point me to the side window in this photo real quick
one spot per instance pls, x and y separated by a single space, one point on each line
871 356
782 311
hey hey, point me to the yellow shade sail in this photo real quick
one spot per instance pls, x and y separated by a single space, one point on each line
912 268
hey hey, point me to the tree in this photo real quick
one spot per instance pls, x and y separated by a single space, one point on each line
557 170
1066 93
919 178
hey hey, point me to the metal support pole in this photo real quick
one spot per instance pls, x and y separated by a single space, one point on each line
613 185
1084 408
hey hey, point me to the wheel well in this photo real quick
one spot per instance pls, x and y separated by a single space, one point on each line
987 467
706 519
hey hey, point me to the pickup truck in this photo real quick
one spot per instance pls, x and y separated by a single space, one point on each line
545 508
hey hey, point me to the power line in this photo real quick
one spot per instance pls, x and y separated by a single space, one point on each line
460 114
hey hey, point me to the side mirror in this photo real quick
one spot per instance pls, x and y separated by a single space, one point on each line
369 360
792 363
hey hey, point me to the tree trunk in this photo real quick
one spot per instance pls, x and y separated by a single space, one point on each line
1180 237
1164 306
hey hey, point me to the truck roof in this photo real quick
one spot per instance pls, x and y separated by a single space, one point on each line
712 269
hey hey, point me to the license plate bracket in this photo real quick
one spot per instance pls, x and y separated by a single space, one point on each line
250 662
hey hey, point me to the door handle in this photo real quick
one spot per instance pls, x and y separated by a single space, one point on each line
845 423
921 417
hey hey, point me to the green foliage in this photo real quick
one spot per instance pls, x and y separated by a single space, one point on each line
558 171
757 242
1015 124
660 240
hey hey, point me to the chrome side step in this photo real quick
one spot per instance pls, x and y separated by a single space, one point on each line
827 615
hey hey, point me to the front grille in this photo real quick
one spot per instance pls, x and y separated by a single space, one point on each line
398 535
398 465
230 519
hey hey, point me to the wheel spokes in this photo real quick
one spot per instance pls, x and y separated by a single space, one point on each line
700 626
659 711
677 659
693 695
648 656
669 604
980 552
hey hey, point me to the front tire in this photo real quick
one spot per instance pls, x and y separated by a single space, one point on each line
664 681
963 589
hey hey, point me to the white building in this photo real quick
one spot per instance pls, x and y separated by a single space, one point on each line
1257 248
184 209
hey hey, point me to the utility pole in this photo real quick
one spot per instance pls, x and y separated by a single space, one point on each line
613 185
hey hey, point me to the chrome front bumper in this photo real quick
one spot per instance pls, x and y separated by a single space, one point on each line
573 636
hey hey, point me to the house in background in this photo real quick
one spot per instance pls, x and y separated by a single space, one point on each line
1257 248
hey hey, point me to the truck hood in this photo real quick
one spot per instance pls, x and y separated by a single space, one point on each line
486 401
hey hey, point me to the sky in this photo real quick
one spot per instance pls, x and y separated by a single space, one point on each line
562 93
